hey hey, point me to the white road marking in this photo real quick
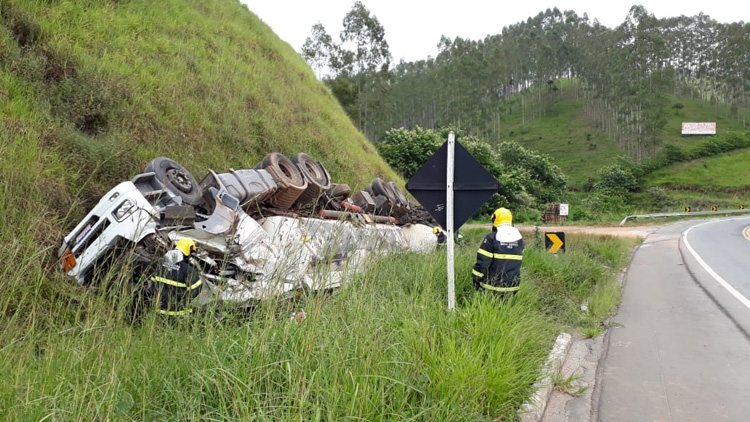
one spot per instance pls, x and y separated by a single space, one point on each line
710 271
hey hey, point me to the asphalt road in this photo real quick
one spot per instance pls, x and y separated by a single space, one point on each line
682 351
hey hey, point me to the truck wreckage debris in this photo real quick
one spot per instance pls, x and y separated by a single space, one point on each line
260 233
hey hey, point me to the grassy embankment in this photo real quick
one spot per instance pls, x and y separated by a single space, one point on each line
92 91
725 171
89 93
383 347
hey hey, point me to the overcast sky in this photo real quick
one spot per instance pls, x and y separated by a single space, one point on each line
413 27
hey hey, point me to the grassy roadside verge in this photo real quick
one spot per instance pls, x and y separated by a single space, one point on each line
381 348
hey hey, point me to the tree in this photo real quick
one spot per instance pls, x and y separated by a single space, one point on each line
362 59
624 74
319 49
371 57
371 53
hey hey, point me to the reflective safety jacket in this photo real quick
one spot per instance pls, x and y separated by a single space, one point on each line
499 259
176 285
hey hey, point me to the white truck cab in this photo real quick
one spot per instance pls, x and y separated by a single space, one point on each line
125 215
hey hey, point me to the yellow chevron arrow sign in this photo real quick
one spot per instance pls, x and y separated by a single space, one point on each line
553 242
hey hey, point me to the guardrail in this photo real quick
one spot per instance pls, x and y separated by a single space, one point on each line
675 214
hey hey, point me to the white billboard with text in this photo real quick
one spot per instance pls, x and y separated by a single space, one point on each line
699 128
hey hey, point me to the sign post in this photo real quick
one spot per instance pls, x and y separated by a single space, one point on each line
449 220
452 185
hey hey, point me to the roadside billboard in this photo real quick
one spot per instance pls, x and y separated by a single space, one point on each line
699 128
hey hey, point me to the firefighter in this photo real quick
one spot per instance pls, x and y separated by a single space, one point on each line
178 282
499 258
440 234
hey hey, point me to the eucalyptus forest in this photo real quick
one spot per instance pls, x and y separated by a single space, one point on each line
625 75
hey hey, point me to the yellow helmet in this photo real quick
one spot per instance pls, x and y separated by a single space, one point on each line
501 216
186 246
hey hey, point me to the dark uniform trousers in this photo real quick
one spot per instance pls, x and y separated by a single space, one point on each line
499 259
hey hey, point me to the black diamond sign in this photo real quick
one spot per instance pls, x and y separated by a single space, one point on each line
473 185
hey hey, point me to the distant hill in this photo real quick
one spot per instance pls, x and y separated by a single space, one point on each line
580 147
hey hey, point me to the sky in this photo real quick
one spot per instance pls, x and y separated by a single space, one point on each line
413 27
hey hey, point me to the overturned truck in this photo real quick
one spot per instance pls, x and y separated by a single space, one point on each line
263 233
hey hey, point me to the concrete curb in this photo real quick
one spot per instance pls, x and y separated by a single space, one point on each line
533 409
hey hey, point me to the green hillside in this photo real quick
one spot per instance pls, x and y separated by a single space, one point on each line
97 89
580 148
90 92
573 142
725 172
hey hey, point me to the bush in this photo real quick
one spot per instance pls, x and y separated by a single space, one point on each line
580 213
527 179
657 198
674 154
720 144
545 180
406 150
528 216
616 178
604 202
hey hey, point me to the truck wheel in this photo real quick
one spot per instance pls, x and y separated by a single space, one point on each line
340 190
176 178
287 176
313 170
402 200
285 169
316 175
379 187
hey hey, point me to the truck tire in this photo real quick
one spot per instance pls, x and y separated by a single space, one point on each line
379 187
287 176
402 200
311 169
176 178
286 171
340 191
318 179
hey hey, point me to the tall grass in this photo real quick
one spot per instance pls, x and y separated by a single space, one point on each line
383 347
90 92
